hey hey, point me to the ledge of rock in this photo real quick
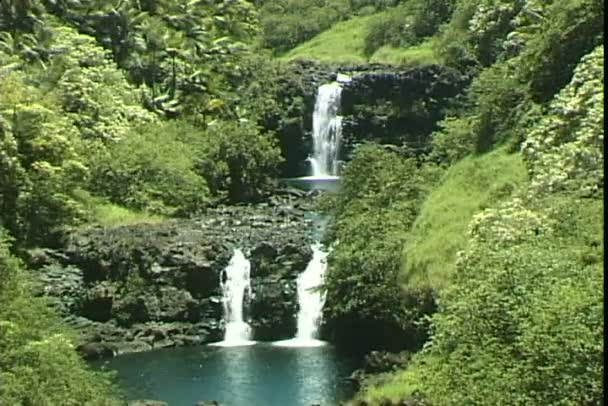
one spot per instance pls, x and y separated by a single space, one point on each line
145 286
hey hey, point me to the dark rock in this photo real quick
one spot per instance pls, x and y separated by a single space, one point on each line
384 361
208 403
164 344
146 286
382 103
37 258
94 351
132 309
274 309
98 301
128 347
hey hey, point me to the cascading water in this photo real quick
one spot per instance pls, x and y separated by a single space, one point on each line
327 131
236 285
311 301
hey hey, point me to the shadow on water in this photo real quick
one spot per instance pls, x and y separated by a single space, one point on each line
236 376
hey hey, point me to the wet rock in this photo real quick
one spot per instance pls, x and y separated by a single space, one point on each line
144 286
382 103
274 308
94 351
128 347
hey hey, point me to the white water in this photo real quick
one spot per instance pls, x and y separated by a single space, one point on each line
327 131
311 302
235 286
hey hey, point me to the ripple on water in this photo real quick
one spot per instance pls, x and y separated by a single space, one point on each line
262 374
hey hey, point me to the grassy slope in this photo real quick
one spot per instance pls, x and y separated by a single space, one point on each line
344 44
441 228
106 214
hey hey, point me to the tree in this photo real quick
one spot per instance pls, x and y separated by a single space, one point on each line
239 159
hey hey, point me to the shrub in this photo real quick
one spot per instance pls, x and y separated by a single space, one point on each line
379 200
407 24
151 169
238 160
38 363
570 30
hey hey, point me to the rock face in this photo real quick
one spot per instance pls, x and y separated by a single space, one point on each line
139 287
397 107
383 104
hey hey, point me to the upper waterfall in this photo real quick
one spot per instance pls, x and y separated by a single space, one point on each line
327 131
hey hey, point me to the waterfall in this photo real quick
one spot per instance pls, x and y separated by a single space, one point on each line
235 283
327 131
310 300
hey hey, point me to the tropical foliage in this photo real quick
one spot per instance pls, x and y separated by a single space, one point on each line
132 110
520 314
38 364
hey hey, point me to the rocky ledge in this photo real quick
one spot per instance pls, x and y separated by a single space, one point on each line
138 287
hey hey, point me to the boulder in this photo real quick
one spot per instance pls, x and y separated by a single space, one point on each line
94 351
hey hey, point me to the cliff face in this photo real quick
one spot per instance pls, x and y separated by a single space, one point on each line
139 287
381 104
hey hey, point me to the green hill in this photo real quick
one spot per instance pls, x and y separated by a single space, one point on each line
344 43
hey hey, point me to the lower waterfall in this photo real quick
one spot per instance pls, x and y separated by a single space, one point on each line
310 300
236 286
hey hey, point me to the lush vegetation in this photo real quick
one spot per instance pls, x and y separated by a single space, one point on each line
112 113
38 364
379 200
90 93
440 230
484 254
509 237
393 32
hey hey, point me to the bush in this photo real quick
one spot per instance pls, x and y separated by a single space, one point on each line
238 160
570 30
151 169
525 312
407 24
475 34
380 197
38 363
41 163
287 23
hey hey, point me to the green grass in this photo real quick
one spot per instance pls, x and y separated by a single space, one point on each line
440 231
101 212
417 55
393 386
344 43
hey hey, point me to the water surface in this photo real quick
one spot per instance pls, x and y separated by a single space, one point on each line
259 375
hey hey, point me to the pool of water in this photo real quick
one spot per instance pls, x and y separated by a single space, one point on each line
261 374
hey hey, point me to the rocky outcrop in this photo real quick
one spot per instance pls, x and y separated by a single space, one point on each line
377 362
383 104
397 107
145 286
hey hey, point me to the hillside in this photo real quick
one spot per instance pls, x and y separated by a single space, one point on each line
344 43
